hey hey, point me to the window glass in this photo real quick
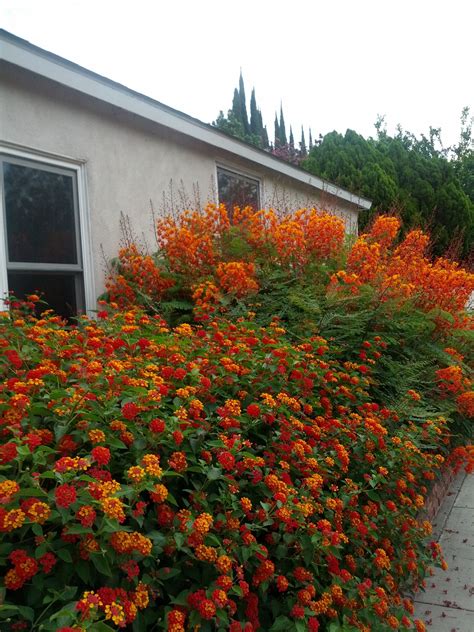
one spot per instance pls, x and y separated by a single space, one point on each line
40 219
62 292
237 190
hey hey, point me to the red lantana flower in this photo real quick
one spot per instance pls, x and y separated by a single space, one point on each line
65 495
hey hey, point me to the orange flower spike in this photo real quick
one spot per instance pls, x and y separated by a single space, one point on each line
236 277
384 230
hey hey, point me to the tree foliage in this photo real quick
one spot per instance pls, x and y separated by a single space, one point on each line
428 185
253 131
237 122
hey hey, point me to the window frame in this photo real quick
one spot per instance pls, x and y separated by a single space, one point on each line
84 266
244 175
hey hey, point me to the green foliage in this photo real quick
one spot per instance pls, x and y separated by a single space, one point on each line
414 348
408 175
282 131
237 123
303 150
243 106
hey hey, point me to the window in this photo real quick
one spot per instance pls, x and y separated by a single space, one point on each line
235 189
42 247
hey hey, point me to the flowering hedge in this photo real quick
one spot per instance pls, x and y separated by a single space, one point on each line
239 471
211 477
208 253
302 268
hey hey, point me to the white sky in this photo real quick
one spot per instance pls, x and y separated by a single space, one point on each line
335 64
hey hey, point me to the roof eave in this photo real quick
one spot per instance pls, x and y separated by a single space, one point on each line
27 56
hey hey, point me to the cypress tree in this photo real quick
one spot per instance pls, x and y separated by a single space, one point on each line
303 150
277 132
243 105
265 143
292 140
310 140
236 107
255 117
283 140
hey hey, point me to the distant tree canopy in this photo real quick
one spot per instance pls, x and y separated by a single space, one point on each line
430 187
237 122
253 131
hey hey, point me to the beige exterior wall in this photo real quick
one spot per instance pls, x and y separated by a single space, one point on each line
131 163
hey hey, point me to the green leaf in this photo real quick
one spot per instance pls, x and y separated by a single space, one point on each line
281 623
65 555
179 539
27 613
373 495
102 564
77 529
100 626
214 473
171 499
113 442
37 529
31 491
68 593
7 611
40 550
83 570
181 599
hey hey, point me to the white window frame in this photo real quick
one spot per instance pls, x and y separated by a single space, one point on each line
241 174
79 169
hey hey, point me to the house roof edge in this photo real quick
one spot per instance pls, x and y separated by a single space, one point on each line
22 53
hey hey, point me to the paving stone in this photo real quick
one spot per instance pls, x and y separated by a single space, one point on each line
444 619
466 495
447 605
457 544
451 588
443 514
447 504
458 481
460 519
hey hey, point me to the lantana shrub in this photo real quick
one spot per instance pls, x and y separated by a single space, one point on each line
211 477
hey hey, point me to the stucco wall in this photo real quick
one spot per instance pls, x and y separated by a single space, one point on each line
131 163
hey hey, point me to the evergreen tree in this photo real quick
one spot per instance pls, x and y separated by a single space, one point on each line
230 125
243 105
303 150
277 142
292 140
265 141
282 135
255 116
464 154
403 173
237 108
310 140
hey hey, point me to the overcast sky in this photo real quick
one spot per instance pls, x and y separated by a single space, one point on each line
335 64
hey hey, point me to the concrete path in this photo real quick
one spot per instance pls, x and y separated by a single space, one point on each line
447 605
